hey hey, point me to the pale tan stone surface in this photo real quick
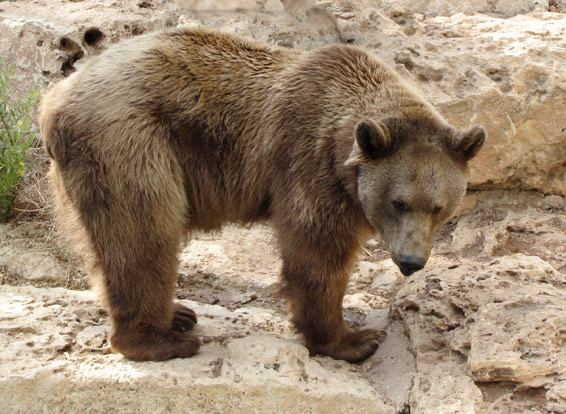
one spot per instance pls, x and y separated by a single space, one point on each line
502 8
504 73
480 330
490 309
55 358
46 39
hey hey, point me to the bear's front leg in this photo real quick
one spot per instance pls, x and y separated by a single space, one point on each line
315 281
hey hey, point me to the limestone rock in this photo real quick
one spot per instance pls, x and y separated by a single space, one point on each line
502 231
475 68
48 40
506 318
210 254
392 369
506 8
504 350
480 330
55 360
496 72
556 397
26 256
440 391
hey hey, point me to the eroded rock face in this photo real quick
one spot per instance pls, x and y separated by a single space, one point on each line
48 40
56 358
485 320
503 73
483 315
502 8
513 90
480 330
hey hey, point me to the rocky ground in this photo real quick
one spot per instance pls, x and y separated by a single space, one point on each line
481 330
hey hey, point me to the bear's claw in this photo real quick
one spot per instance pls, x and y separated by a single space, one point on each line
184 319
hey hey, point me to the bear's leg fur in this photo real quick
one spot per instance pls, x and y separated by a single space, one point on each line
135 224
315 279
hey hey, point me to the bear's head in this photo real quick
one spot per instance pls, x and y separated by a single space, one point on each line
411 177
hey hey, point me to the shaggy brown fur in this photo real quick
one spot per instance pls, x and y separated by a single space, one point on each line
188 129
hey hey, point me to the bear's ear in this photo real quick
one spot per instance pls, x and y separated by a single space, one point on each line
468 143
371 140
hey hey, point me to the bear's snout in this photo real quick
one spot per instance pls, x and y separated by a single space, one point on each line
410 264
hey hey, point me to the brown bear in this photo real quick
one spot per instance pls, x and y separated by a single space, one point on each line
184 130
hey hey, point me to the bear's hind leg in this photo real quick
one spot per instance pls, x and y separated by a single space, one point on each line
134 223
139 288
148 325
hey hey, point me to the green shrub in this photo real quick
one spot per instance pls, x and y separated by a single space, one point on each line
16 135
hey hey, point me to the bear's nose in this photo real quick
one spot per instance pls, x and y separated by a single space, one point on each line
410 264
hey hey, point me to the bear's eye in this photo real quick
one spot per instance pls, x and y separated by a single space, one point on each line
400 206
437 210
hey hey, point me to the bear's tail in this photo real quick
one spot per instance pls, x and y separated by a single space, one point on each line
53 137
53 133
